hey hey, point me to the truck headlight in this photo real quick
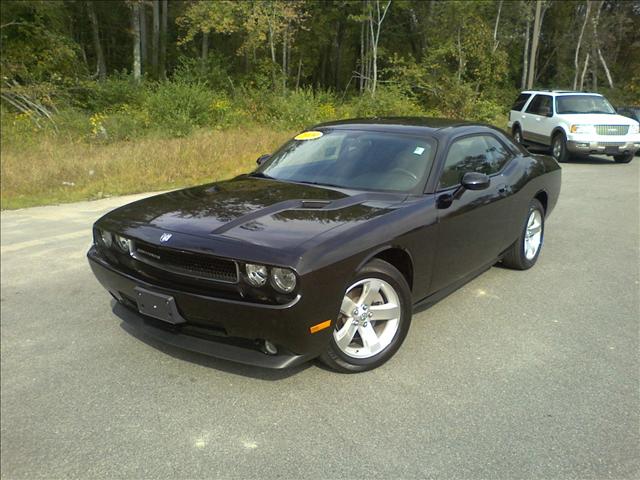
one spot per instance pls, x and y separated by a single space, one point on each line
256 274
123 244
634 128
583 129
283 279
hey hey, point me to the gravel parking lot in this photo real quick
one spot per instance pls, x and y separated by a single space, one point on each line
517 375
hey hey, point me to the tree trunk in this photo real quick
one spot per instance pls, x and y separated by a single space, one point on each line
299 73
272 47
525 57
596 39
375 38
135 26
584 71
144 50
361 79
495 30
205 50
101 64
576 58
285 38
155 38
163 41
534 43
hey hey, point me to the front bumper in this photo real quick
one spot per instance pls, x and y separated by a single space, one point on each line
586 147
228 329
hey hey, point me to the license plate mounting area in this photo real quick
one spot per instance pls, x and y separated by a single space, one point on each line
157 305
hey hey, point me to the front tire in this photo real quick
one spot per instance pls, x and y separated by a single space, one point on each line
524 253
623 158
559 148
374 319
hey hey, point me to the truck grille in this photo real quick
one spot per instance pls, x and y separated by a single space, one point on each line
189 264
612 129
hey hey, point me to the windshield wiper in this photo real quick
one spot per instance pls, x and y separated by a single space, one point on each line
260 175
306 182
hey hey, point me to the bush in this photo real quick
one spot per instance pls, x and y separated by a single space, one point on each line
110 94
176 108
388 101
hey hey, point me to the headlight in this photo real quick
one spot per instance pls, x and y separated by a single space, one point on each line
634 128
583 129
123 243
256 274
106 238
283 279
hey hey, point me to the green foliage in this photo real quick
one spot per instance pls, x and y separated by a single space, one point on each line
177 108
211 72
119 89
36 44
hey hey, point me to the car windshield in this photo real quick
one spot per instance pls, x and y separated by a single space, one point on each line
583 104
361 160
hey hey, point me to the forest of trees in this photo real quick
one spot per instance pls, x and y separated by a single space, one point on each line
188 91
452 58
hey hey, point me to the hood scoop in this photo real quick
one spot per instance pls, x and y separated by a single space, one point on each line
314 204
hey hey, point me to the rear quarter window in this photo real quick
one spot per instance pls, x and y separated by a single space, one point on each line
520 101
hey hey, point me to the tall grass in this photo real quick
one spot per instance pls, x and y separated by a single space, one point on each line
56 170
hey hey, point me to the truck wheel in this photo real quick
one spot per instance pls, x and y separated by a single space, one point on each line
517 135
626 158
559 147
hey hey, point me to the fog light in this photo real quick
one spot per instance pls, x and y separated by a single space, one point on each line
123 244
283 279
270 348
256 274
106 238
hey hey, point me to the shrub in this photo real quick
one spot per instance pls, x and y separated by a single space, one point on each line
119 89
176 108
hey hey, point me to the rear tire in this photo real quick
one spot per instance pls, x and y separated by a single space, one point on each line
524 253
517 135
359 341
559 148
623 158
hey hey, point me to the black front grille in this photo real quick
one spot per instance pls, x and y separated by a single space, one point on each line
189 264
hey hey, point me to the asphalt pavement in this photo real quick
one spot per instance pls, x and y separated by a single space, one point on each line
530 374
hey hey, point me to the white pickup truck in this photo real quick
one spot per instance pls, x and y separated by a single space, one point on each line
573 123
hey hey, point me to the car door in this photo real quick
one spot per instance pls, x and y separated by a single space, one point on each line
537 120
472 225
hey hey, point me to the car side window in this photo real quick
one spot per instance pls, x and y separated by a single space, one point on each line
540 105
520 101
479 153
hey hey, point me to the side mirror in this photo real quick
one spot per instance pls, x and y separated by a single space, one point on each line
263 158
546 112
475 181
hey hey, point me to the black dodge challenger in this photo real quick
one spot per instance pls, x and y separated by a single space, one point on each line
330 244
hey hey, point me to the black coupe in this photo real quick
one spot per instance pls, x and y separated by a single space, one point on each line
328 247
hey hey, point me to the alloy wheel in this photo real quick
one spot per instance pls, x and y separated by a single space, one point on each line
533 235
369 318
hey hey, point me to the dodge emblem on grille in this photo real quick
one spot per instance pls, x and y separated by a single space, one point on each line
165 237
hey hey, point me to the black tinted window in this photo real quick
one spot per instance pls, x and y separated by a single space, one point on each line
481 153
540 105
520 101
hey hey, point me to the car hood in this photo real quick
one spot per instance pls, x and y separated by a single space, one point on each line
597 119
256 210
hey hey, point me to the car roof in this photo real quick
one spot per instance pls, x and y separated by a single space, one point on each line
560 92
419 125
